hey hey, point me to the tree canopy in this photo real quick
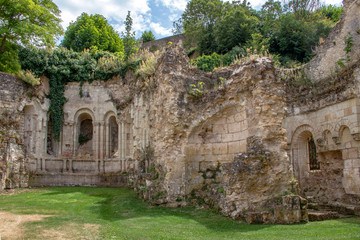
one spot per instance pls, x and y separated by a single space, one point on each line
89 31
29 23
290 29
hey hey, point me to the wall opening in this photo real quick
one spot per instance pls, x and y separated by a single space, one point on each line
85 135
51 146
114 134
312 155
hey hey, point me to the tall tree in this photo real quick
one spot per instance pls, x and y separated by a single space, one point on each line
92 31
29 23
235 28
130 43
200 16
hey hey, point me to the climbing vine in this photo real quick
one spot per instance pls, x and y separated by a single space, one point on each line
62 66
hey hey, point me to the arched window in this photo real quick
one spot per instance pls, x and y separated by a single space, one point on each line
313 161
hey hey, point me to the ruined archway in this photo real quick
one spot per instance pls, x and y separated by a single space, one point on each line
85 132
113 138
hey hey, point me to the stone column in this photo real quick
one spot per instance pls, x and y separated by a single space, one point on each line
107 141
101 145
96 130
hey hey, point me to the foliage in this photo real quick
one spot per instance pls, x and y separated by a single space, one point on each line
148 36
92 31
29 22
9 61
331 12
197 90
270 12
294 38
258 43
130 43
235 28
347 50
207 62
28 77
62 66
147 64
199 17
302 9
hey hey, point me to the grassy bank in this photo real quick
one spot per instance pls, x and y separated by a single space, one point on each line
113 213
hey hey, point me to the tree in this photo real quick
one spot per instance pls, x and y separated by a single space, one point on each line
235 28
332 12
29 23
92 31
200 16
270 13
295 38
130 43
148 36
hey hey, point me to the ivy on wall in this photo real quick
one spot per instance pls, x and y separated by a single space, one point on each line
62 66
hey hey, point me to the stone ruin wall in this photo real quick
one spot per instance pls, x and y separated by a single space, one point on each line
324 64
235 148
12 152
325 107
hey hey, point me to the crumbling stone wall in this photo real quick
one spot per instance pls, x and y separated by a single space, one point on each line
12 156
196 138
323 104
325 64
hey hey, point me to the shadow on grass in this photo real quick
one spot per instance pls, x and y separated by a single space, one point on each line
116 204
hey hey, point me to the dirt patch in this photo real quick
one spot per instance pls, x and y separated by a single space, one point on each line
11 226
72 231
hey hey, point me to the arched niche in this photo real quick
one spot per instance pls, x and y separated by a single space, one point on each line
51 144
113 137
29 129
85 134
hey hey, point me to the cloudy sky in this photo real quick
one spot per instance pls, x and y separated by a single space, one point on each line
154 15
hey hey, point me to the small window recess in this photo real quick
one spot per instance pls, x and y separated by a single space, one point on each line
313 160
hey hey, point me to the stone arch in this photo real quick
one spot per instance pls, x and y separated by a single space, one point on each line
303 159
344 123
51 144
111 135
29 129
84 133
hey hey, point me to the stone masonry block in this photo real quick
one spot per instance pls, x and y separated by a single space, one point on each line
353 153
234 127
205 149
348 164
229 137
234 147
356 163
220 128
219 148
348 111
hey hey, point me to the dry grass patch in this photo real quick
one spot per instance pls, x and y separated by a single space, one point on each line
11 226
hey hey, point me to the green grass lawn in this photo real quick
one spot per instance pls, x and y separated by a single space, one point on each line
115 213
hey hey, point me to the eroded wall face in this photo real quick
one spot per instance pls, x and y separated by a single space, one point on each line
213 143
335 129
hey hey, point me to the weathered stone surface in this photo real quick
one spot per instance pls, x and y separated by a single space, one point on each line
253 144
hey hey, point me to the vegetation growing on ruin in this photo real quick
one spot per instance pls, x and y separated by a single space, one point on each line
109 213
289 29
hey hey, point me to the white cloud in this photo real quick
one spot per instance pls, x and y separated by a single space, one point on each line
111 9
160 30
174 5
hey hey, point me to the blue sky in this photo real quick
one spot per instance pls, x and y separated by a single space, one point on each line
154 15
